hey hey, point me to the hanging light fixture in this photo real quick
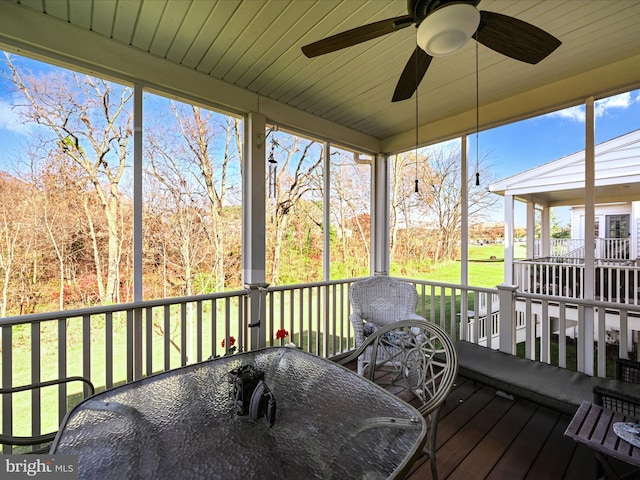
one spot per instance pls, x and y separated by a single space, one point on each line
448 29
273 168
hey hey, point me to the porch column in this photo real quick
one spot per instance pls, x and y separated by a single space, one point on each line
508 238
137 232
531 228
585 354
380 215
545 231
253 223
464 222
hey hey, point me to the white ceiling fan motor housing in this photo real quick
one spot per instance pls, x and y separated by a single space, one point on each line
448 29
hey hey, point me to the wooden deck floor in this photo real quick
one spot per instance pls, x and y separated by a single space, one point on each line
483 435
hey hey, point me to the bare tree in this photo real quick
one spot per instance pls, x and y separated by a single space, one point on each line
433 214
299 163
350 199
17 250
196 167
90 122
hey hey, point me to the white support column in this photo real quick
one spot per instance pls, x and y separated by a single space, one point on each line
585 354
464 233
380 215
508 238
326 214
253 220
464 221
531 229
137 230
545 231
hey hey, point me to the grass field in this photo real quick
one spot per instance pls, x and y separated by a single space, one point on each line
486 266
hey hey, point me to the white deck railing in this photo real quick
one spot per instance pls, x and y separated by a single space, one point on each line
615 280
610 248
120 343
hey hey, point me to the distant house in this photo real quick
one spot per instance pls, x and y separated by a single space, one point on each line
563 182
605 268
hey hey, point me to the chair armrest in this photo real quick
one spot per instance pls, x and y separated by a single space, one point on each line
358 328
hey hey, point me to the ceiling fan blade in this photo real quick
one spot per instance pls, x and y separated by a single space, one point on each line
357 35
412 75
514 38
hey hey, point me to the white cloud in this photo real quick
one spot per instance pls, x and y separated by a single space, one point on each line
601 107
617 101
573 113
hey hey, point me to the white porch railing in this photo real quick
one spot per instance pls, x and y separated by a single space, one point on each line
615 280
604 248
119 343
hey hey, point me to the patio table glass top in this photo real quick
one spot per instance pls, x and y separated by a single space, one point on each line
326 422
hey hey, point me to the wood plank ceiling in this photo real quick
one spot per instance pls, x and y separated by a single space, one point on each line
255 45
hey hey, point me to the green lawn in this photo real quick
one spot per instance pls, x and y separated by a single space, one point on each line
486 266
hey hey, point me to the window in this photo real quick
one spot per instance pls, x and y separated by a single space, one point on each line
192 199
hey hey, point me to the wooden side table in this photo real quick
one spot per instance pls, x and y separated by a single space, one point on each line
592 426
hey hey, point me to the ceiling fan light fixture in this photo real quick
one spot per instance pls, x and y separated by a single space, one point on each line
448 29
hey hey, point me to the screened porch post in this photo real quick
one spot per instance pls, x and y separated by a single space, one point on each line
531 227
137 230
585 359
508 238
380 215
253 224
464 220
545 231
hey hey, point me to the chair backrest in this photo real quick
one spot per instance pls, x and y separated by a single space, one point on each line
40 442
617 401
383 300
627 370
423 355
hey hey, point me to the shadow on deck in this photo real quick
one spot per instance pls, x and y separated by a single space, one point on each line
484 435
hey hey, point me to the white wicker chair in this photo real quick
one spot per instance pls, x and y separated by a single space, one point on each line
423 360
380 301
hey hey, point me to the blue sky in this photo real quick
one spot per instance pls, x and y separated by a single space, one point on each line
520 146
510 149
526 144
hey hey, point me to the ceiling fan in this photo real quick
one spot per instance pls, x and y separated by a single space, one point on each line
444 26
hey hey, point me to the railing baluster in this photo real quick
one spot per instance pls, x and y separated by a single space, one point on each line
62 366
36 376
166 337
199 331
149 340
562 337
7 382
184 340
86 346
108 354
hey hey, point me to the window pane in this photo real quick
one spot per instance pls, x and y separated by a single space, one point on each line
350 215
192 199
66 194
294 208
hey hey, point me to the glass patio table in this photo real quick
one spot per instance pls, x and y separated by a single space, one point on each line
308 418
